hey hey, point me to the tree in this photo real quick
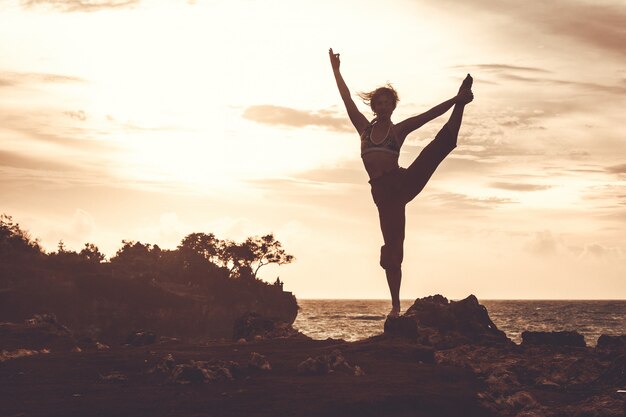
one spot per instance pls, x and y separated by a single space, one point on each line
16 243
268 250
255 253
92 254
205 245
137 258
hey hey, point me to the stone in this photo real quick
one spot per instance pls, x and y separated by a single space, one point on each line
616 372
186 374
114 377
253 326
435 321
324 364
313 366
404 327
563 338
141 338
612 343
521 400
102 346
260 362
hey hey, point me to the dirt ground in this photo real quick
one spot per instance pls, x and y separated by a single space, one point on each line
400 379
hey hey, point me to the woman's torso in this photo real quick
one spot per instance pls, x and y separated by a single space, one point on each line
380 149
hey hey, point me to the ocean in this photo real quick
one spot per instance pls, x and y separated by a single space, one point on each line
358 319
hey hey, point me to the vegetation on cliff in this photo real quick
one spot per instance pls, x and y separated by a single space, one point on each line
194 291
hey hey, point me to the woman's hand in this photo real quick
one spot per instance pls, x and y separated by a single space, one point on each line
334 59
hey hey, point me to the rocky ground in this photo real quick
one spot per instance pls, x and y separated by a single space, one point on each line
440 359
259 378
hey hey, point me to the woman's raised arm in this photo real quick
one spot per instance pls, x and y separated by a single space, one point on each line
412 123
359 121
407 126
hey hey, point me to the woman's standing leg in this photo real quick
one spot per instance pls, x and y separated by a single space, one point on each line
392 223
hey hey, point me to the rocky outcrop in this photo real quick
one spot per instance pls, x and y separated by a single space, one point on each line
530 379
435 321
107 308
42 331
539 380
253 326
141 338
612 343
563 338
324 364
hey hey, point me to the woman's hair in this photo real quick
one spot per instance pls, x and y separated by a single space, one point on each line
369 97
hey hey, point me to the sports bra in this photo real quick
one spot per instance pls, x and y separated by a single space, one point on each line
389 144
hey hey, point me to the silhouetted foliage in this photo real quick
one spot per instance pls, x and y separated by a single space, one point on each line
199 288
92 254
15 243
136 259
267 250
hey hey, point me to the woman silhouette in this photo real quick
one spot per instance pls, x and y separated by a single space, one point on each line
392 186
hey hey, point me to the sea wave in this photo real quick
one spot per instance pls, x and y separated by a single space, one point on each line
359 319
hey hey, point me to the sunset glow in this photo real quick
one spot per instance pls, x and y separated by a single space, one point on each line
146 120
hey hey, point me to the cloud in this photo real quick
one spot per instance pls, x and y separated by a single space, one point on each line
350 172
78 115
285 116
82 225
617 169
512 186
543 244
16 160
81 5
501 68
599 24
12 79
462 201
534 75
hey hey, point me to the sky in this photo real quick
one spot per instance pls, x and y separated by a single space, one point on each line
148 120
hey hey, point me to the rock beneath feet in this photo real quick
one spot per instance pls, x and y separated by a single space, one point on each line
573 339
435 321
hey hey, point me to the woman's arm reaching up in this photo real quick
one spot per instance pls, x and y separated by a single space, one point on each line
359 121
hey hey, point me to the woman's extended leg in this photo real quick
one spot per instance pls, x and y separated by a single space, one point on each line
420 171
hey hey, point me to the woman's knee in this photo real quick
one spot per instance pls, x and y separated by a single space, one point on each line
391 256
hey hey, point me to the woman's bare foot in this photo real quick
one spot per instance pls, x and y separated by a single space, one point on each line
465 94
394 313
467 83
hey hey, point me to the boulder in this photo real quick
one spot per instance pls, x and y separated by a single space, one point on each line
259 362
252 326
565 338
324 364
615 373
141 338
615 344
191 371
435 321
42 331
